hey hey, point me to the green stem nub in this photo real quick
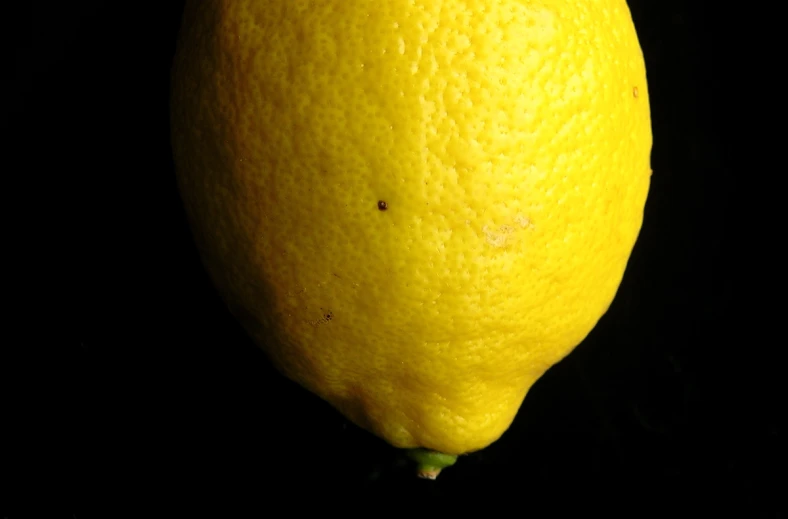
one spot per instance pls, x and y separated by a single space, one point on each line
430 463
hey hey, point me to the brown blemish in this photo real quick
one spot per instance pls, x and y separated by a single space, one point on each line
328 316
635 92
382 205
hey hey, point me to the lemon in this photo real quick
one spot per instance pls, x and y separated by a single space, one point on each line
416 207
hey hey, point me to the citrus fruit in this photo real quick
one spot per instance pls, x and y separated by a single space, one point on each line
416 207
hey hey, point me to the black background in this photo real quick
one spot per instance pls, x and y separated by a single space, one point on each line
152 390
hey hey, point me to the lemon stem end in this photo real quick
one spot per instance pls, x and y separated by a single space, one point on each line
430 463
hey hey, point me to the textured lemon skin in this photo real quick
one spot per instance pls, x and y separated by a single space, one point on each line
510 141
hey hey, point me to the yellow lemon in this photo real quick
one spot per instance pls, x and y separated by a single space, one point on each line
416 207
